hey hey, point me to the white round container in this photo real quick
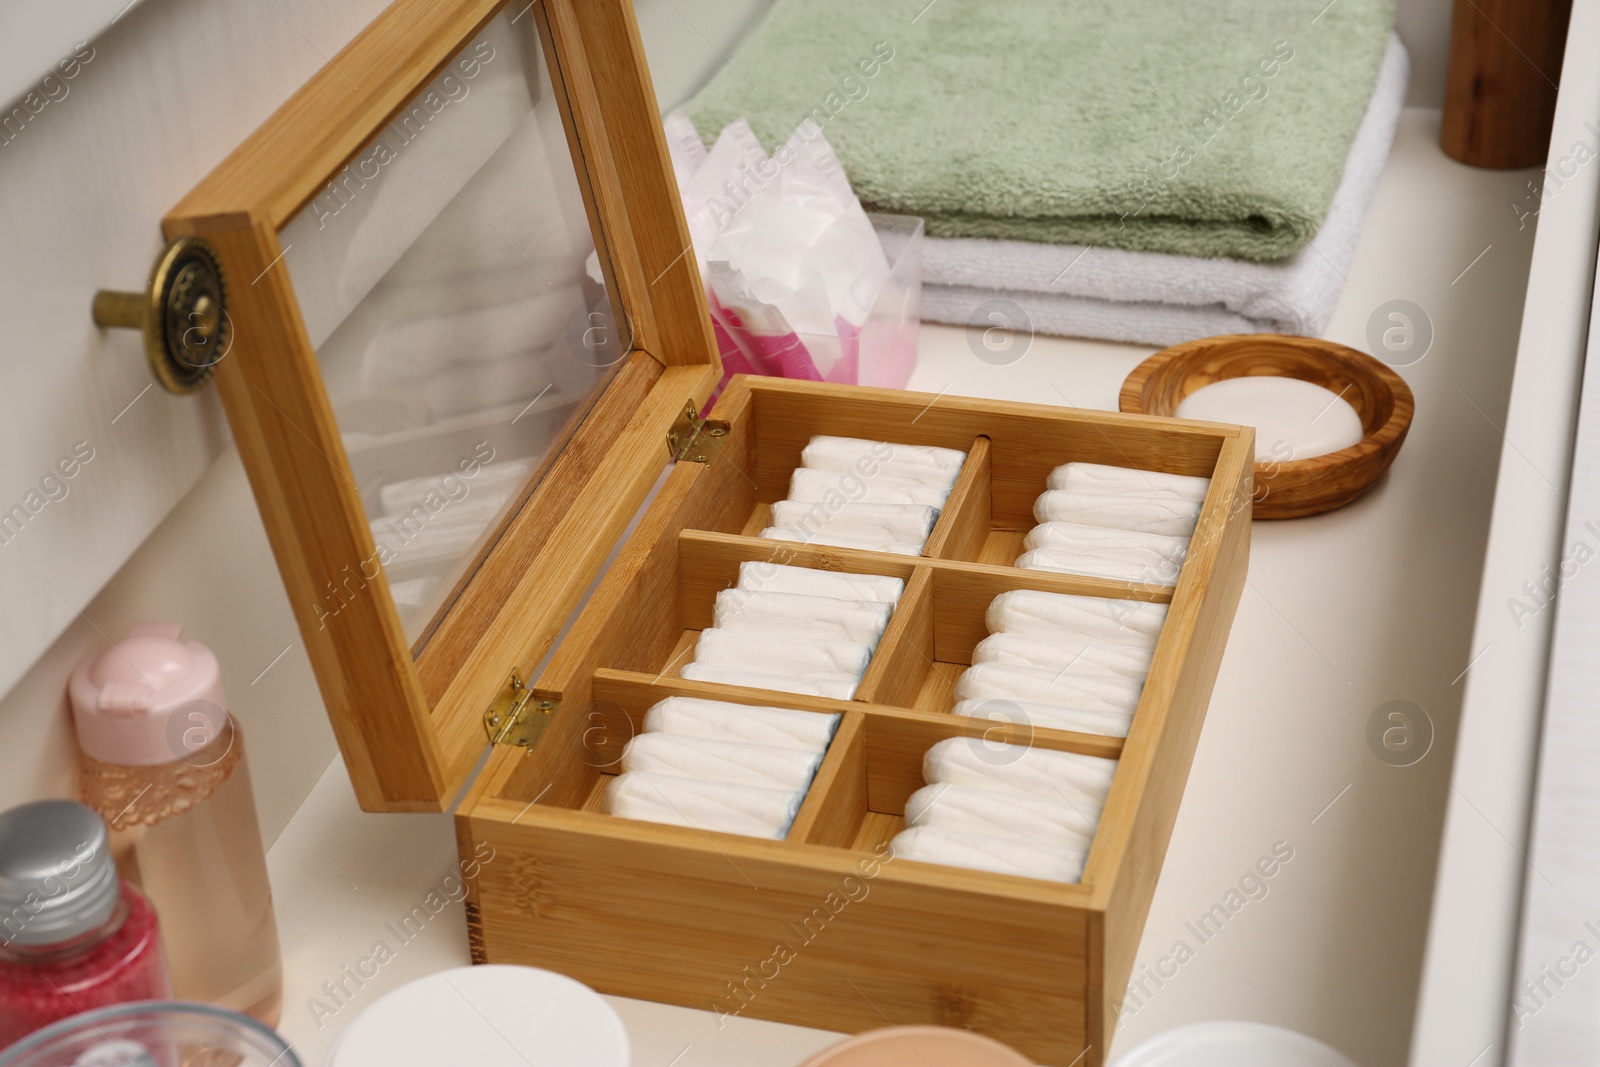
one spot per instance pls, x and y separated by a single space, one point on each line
1232 1044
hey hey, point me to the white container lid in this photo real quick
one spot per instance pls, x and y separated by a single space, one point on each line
490 1016
1231 1044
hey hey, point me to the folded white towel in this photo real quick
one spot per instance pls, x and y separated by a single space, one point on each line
720 721
1158 299
833 487
1067 688
1118 481
1069 654
1000 855
768 653
778 578
1116 566
1144 514
740 762
1047 716
1086 618
926 464
1072 536
971 809
731 809
1082 781
838 686
801 616
904 523
806 537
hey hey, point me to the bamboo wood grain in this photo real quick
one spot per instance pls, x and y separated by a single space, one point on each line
1292 488
966 517
905 653
834 804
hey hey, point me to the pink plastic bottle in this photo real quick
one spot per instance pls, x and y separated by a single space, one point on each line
163 763
73 936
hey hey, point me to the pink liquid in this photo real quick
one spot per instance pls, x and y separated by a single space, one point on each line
120 962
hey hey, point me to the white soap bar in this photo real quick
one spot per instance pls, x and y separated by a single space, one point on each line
1058 654
1077 537
1103 478
837 687
1144 514
766 653
972 809
806 537
927 464
1117 566
717 720
831 487
903 523
807 581
721 761
1071 617
731 809
1078 779
1070 689
1047 716
1293 419
1000 855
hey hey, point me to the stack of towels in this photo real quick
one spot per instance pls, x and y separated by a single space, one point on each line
795 630
1062 662
1011 809
1114 522
709 765
851 493
1151 172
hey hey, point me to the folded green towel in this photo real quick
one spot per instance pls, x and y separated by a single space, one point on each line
1199 127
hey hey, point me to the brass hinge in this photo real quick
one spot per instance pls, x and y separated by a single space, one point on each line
515 718
686 438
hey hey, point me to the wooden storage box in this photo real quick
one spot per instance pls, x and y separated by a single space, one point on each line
823 928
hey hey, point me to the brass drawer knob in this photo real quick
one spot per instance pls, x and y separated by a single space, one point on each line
183 315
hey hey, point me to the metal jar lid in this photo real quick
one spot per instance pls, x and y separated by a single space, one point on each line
57 879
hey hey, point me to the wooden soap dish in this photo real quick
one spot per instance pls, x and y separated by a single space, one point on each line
1293 488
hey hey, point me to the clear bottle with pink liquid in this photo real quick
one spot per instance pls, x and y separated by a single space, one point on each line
163 763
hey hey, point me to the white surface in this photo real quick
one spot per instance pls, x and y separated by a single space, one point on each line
1232 1044
1293 419
34 36
1343 612
495 1016
1465 998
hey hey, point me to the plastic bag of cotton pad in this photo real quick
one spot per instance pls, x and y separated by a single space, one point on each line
1072 617
717 720
1127 481
750 810
1078 779
999 855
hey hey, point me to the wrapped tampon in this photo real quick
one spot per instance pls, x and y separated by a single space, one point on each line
807 537
1117 566
770 653
899 523
809 616
927 464
1047 716
1175 518
1070 654
732 809
717 720
1074 689
837 687
807 581
1118 481
1077 537
971 809
1000 855
1085 618
739 762
1081 780
832 487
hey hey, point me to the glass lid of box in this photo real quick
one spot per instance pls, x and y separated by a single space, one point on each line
448 280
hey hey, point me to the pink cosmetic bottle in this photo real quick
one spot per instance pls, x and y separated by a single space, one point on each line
73 936
163 763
